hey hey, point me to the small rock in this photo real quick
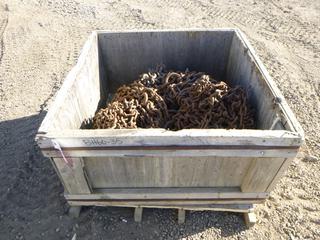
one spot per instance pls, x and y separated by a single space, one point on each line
57 229
310 158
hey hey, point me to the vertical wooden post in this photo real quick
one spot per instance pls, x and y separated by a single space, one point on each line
250 218
138 214
74 211
181 216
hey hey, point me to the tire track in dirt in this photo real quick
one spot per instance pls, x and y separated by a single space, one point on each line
3 26
292 28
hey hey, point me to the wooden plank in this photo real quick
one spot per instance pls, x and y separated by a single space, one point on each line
218 207
138 214
285 165
241 208
161 204
73 177
260 173
139 51
116 172
250 219
291 121
79 95
167 194
181 216
243 71
162 137
74 211
240 153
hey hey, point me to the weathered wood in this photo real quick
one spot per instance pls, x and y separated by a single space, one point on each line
260 173
250 218
241 208
116 172
244 153
171 203
138 214
181 216
291 121
73 176
74 211
138 51
162 137
285 164
79 95
166 194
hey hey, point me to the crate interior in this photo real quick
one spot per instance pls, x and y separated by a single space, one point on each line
124 56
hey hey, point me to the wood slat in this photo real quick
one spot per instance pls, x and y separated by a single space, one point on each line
73 177
161 204
241 208
240 153
116 172
167 194
285 164
260 174
162 137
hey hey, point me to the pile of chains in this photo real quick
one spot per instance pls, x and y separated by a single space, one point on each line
175 101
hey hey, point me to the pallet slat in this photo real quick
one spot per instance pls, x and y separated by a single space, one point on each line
167 194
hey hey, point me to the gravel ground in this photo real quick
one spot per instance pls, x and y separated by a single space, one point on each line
40 40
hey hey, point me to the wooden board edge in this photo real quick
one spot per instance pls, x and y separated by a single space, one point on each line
67 84
158 194
161 204
293 122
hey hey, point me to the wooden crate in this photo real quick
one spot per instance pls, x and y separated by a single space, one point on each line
214 169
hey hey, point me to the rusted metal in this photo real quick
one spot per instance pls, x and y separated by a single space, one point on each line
177 100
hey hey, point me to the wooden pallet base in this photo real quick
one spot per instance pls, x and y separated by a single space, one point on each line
247 210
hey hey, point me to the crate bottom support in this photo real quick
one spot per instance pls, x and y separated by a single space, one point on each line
246 209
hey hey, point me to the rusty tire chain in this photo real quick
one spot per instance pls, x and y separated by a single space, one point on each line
176 100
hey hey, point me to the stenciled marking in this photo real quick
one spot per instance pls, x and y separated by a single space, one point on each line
101 142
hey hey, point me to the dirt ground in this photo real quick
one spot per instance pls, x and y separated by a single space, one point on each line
40 40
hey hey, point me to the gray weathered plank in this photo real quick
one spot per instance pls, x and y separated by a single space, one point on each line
286 163
116 172
161 204
260 173
168 194
73 176
181 216
138 214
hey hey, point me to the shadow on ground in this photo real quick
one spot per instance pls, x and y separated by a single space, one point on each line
32 204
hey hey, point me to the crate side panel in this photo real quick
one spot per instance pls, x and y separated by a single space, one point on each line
128 54
79 95
260 174
113 172
242 71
